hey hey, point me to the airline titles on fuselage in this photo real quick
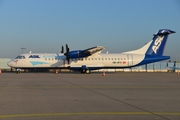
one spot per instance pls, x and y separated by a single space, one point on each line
45 56
34 56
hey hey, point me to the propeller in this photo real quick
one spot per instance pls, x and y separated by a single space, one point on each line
62 49
67 52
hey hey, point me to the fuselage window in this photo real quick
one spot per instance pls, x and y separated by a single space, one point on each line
102 58
105 58
89 59
45 58
99 58
112 58
92 58
109 58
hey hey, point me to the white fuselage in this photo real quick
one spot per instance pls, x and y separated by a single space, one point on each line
59 60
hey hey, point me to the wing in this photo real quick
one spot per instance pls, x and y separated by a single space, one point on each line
86 52
93 50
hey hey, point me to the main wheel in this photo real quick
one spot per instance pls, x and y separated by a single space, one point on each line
88 72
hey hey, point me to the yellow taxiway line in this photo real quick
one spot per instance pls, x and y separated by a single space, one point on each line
88 113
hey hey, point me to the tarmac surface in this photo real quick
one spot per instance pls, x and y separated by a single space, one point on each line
74 96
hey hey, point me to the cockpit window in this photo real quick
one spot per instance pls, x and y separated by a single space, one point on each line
20 57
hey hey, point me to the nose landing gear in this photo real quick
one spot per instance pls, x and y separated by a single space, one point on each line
18 70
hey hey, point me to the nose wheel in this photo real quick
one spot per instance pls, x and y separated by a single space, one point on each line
18 71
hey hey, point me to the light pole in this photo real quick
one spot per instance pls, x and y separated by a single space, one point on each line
23 49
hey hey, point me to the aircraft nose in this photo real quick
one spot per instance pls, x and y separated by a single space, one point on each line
9 63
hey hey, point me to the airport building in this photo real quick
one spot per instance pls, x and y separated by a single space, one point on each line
3 63
153 67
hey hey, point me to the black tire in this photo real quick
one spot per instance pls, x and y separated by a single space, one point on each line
88 72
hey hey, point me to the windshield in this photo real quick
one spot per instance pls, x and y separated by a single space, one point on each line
20 57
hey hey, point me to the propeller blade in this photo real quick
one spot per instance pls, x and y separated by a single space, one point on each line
67 59
62 49
67 48
67 53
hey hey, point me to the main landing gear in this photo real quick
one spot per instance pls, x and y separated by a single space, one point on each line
85 70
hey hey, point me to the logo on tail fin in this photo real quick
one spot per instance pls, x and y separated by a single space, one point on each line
159 41
157 44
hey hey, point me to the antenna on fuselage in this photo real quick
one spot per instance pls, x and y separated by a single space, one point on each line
30 52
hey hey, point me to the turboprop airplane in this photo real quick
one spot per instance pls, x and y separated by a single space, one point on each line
92 58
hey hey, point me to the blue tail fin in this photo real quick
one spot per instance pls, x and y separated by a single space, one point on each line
159 41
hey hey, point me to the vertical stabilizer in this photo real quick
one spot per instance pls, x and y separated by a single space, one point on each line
159 41
155 46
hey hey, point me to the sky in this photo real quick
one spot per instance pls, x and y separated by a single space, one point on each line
43 26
